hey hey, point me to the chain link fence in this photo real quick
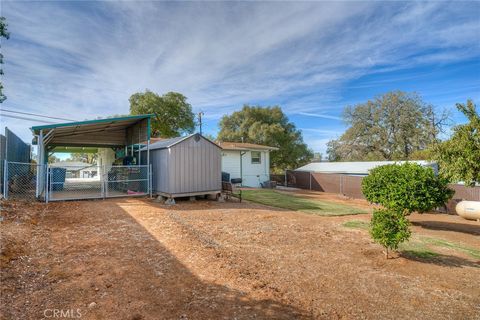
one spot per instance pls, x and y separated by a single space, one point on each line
29 181
74 182
20 180
93 182
127 180
351 186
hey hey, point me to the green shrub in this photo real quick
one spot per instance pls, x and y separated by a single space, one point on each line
406 187
389 228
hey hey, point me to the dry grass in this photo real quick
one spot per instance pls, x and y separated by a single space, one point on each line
137 259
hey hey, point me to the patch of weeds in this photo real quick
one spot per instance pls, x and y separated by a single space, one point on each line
356 224
475 253
423 254
417 249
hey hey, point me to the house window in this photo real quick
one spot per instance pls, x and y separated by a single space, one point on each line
256 157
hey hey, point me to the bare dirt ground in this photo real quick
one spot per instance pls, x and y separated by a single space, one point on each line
137 259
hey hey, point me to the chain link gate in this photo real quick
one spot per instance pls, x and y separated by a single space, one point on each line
97 182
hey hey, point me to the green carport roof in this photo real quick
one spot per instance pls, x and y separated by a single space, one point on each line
109 132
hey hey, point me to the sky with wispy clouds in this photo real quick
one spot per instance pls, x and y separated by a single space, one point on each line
83 59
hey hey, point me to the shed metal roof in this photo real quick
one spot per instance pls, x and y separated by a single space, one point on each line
167 143
357 167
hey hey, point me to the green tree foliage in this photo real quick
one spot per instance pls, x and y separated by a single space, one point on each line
422 155
459 157
406 187
90 158
3 34
267 126
389 228
390 127
53 159
173 116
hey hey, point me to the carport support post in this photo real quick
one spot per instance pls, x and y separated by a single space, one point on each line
40 173
150 184
149 167
139 147
46 180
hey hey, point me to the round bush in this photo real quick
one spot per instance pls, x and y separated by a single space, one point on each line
406 187
389 228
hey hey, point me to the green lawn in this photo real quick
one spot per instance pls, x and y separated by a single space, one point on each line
289 201
420 246
474 253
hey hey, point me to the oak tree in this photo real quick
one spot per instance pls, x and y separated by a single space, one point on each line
459 157
172 114
267 126
393 126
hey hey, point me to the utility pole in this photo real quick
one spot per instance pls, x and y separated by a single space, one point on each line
200 114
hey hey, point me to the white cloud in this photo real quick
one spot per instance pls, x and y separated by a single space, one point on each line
83 60
324 116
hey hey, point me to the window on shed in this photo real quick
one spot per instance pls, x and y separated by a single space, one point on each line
256 157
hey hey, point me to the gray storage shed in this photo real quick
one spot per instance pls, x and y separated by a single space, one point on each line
186 166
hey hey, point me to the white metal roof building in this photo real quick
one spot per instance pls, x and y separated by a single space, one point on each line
358 168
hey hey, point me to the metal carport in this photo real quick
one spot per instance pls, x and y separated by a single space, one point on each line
127 133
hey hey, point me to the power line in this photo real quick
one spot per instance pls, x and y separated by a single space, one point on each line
25 118
36 115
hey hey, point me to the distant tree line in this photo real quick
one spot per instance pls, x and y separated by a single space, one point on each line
173 116
394 126
401 126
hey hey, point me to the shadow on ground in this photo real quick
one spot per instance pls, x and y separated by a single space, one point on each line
440 259
101 254
449 226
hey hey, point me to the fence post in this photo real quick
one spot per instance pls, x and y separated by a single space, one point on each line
37 189
341 184
310 180
150 183
104 182
5 179
47 182
50 186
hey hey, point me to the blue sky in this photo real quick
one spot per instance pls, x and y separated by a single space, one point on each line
82 60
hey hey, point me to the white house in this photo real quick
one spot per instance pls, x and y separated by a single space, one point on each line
248 161
78 169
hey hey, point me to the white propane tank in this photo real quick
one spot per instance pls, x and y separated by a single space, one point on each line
469 210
